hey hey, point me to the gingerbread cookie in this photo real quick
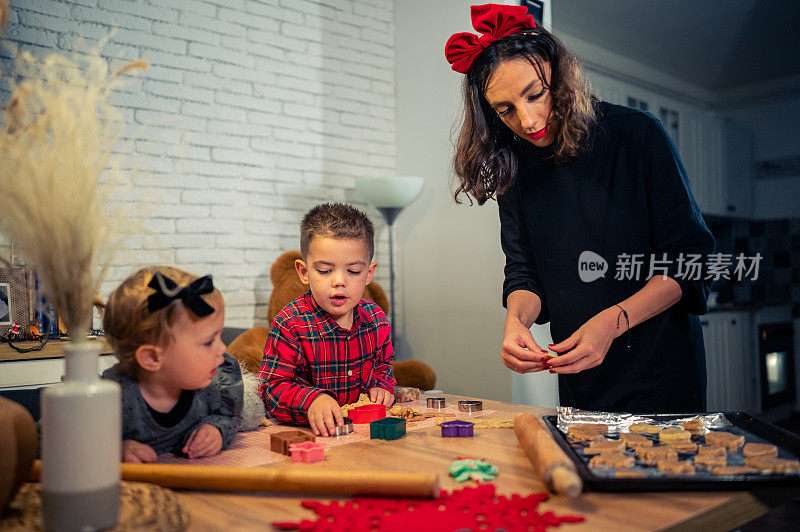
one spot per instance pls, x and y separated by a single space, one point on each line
676 467
615 460
634 441
726 439
694 426
585 435
645 428
604 446
683 446
710 460
674 434
712 450
722 471
596 427
773 465
653 455
759 449
629 473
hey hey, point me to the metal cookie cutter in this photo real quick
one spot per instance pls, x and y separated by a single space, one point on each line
470 406
344 429
436 403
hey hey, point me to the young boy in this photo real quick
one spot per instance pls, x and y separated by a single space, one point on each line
328 346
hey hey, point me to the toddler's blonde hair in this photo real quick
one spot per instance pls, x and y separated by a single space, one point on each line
127 322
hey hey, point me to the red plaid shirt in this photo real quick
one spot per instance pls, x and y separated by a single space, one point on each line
308 353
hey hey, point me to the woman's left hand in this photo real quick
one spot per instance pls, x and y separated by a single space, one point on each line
587 347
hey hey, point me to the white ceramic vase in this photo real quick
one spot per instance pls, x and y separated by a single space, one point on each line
81 449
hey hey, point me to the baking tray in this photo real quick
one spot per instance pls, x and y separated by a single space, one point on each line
755 430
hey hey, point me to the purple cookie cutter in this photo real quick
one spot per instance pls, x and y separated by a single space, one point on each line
457 429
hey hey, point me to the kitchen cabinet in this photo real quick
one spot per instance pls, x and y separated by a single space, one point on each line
739 169
729 362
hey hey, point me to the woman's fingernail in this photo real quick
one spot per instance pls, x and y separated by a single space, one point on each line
551 371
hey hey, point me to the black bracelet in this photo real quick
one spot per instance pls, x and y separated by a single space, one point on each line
627 322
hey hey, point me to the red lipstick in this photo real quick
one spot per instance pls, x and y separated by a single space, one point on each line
538 134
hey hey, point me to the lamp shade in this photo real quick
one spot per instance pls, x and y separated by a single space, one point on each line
395 192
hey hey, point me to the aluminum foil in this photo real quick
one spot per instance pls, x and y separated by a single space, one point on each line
619 422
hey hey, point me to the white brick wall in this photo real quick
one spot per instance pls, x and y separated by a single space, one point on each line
251 112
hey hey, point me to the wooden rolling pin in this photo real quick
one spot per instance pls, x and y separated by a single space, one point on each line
547 458
194 477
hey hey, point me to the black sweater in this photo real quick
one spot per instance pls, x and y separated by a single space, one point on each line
627 193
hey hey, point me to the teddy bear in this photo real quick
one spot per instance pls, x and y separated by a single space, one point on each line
248 347
18 444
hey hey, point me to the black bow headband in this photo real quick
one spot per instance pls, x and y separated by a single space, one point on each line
167 292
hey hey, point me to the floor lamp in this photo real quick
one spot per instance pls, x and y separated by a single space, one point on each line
390 195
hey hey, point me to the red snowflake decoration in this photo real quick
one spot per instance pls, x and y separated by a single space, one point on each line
475 509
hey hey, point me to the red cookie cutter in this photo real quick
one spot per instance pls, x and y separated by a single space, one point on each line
367 413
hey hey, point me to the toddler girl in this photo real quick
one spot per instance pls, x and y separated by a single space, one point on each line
181 392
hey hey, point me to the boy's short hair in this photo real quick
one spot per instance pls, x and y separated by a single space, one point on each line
336 220
128 323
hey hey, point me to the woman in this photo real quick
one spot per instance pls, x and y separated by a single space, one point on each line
575 177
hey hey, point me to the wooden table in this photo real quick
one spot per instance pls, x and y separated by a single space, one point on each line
426 451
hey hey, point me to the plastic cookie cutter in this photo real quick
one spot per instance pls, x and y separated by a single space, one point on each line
388 428
465 469
367 413
344 429
280 441
436 403
457 429
470 406
307 452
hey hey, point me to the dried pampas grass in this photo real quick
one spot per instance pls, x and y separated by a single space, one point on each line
3 15
57 135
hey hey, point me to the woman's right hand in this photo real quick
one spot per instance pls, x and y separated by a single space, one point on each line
520 352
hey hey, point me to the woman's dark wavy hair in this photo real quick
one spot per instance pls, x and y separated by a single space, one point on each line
485 162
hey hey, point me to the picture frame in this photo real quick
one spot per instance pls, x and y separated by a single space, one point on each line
15 300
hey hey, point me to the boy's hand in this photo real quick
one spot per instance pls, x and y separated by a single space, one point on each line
381 396
205 440
324 414
137 453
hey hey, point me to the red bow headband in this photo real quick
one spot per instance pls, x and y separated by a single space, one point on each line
493 21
